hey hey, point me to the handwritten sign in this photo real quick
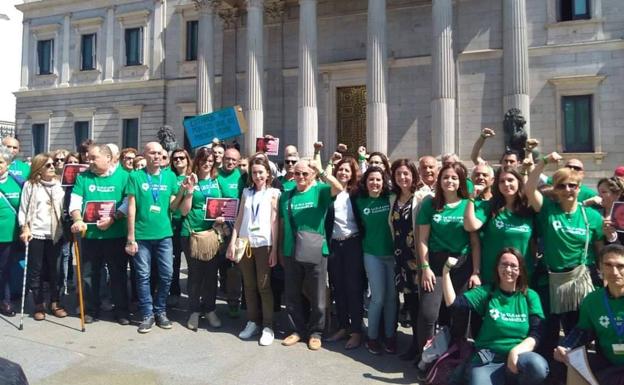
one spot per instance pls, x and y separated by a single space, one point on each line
223 124
98 210
70 172
221 207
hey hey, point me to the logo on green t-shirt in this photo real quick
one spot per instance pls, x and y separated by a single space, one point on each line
557 225
145 186
604 321
495 314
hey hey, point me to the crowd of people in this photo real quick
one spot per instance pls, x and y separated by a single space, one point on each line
501 254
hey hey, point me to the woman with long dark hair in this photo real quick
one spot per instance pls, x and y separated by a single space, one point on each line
504 221
441 234
40 212
373 209
257 222
202 275
512 318
345 264
404 209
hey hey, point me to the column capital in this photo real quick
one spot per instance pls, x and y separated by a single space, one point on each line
253 3
274 10
229 16
207 5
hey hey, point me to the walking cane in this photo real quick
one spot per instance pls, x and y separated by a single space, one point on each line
79 277
21 325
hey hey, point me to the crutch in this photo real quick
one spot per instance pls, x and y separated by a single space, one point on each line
21 325
79 277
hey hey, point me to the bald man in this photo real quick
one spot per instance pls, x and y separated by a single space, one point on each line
152 194
17 167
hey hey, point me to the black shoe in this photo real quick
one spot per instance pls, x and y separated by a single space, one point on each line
122 320
146 325
7 310
163 322
89 319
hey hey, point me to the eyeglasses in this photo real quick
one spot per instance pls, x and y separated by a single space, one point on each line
290 161
178 158
576 168
568 186
512 267
304 174
618 267
126 158
49 165
59 160
12 147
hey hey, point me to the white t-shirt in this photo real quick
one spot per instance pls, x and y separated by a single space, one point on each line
256 224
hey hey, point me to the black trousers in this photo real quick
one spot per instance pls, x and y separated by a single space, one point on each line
347 279
202 281
8 256
42 265
177 261
313 278
96 252
432 309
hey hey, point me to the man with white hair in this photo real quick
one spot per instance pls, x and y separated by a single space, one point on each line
483 177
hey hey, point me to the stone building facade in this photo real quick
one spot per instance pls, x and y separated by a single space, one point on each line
409 77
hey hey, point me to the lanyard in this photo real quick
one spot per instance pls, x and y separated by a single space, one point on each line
256 208
155 191
619 330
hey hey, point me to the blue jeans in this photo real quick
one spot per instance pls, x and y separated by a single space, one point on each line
162 250
532 369
380 273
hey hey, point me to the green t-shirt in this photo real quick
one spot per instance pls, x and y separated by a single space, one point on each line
505 230
231 184
447 227
8 211
207 188
564 234
287 184
151 223
19 168
469 186
594 316
103 188
377 235
505 317
309 209
584 191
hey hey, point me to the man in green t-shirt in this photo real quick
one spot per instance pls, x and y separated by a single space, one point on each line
100 191
602 319
17 167
288 179
231 182
152 194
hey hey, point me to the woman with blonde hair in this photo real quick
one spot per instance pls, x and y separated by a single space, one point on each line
40 211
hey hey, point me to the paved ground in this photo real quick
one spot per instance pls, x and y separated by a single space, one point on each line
56 352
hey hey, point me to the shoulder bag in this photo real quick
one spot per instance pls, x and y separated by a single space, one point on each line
308 244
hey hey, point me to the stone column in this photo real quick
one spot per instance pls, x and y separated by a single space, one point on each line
205 56
157 56
377 73
25 54
307 114
443 79
516 59
229 94
110 44
255 73
65 53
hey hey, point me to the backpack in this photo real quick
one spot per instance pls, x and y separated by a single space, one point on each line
450 367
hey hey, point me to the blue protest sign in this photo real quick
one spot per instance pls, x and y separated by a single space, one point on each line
223 124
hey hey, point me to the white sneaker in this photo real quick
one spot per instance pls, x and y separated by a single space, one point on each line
213 320
251 329
267 337
193 321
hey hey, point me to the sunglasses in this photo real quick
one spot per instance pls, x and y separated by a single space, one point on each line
165 157
178 158
569 186
300 173
290 161
59 160
576 168
49 165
